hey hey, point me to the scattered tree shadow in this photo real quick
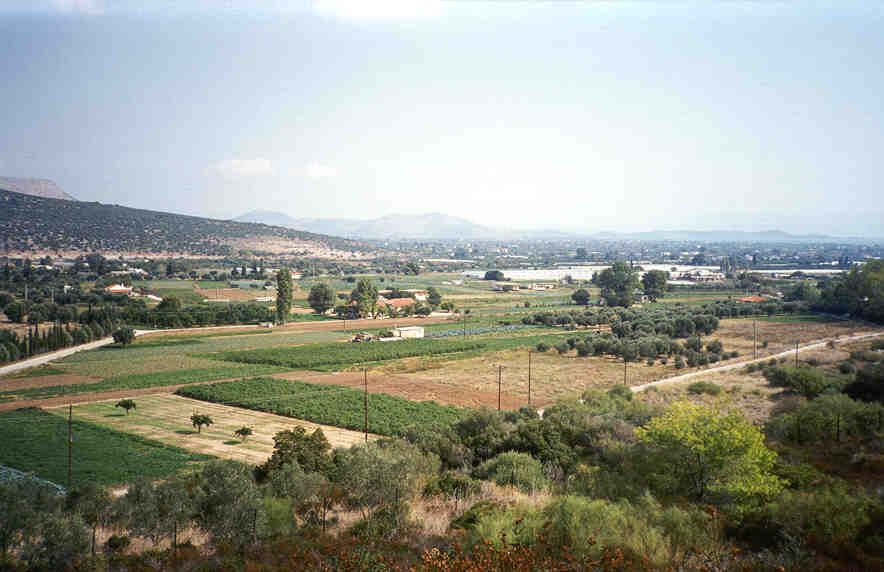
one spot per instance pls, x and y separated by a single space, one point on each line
232 442
115 415
185 432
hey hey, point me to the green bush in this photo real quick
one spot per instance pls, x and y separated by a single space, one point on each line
515 469
543 347
847 367
708 387
621 392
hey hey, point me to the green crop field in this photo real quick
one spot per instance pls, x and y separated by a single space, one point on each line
36 441
146 380
324 355
326 404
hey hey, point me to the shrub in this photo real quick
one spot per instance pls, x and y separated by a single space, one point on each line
515 469
714 358
813 362
124 336
650 361
583 349
562 348
543 347
734 354
699 387
764 344
621 392
679 362
664 361
714 347
847 367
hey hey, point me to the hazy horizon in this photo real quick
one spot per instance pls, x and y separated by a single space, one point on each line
577 116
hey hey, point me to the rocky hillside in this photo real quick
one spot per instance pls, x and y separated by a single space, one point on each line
30 225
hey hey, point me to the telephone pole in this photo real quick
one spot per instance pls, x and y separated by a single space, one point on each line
624 370
70 443
755 337
796 353
529 378
365 378
499 374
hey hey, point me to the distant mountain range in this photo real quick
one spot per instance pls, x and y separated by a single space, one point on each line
441 226
35 187
394 226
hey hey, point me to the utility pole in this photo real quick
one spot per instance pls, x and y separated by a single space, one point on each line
499 374
755 330
365 377
529 378
465 324
70 443
796 353
624 370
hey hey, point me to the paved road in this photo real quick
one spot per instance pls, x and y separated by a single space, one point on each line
329 325
51 356
811 346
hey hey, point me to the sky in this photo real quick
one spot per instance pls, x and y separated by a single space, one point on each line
581 116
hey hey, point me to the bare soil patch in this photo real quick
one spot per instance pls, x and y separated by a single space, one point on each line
414 388
15 384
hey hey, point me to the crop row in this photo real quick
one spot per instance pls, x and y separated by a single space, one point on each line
326 404
335 354
476 331
145 380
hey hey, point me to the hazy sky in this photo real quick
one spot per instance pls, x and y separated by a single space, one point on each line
590 116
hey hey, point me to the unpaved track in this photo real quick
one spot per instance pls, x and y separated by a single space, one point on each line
811 346
327 326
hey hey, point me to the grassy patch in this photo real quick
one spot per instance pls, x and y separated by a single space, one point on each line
327 404
793 318
325 355
707 387
36 441
147 380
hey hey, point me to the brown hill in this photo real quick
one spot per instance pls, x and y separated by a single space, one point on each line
34 187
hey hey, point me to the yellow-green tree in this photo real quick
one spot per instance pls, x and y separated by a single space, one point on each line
702 451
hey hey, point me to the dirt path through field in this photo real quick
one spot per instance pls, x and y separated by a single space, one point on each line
787 353
166 418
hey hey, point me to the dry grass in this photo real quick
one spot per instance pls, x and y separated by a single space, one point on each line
434 515
166 418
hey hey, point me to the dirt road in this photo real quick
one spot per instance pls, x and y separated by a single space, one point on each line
811 346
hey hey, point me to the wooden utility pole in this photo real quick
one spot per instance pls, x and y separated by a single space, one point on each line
499 374
624 370
755 337
796 353
70 444
529 378
365 378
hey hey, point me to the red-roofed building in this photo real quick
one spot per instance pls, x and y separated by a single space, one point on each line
118 289
399 302
748 299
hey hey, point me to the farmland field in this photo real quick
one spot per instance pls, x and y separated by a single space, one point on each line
319 355
326 404
36 441
146 380
166 418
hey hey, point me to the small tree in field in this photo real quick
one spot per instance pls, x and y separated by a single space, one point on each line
243 433
124 336
126 404
198 420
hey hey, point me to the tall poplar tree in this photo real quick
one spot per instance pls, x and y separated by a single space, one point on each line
283 295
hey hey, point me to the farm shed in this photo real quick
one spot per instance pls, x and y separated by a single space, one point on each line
409 332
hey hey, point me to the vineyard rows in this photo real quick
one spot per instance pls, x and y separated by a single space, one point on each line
326 404
319 355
